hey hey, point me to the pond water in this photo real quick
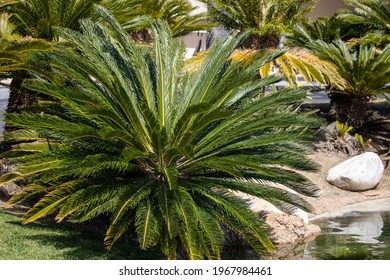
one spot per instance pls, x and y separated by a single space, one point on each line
355 235
352 236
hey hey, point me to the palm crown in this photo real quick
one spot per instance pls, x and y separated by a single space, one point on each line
14 49
268 19
160 150
37 18
365 71
372 16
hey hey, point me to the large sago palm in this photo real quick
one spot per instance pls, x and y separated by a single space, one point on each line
162 152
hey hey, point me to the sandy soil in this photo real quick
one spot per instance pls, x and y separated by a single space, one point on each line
333 199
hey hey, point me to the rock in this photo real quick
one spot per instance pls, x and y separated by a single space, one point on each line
9 190
260 205
5 167
359 173
328 132
331 141
289 228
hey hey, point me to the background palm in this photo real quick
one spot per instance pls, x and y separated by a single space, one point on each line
159 150
36 19
267 20
14 48
371 16
365 71
324 29
178 13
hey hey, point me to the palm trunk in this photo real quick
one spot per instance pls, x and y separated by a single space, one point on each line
19 96
143 36
348 108
256 42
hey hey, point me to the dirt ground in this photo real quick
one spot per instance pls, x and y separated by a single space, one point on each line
333 198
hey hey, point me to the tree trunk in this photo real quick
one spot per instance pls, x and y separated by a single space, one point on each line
348 108
256 42
19 97
142 36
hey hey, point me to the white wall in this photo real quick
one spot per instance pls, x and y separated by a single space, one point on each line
192 42
326 8
201 7
193 39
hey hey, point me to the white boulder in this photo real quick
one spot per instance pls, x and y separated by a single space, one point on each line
359 173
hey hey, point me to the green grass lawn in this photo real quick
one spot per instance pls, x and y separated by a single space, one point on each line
47 240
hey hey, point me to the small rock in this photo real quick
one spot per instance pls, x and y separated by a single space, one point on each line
329 132
289 228
359 173
9 190
330 140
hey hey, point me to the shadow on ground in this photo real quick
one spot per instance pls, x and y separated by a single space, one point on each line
50 240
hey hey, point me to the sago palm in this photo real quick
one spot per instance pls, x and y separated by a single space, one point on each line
36 18
178 13
161 151
14 50
372 16
366 71
268 20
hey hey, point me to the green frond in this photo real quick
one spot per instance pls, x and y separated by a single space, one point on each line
123 215
9 177
365 72
231 211
28 191
168 209
21 135
146 225
370 16
50 203
211 233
